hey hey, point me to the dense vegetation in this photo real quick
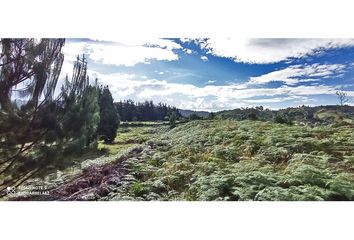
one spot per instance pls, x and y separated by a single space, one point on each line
109 118
220 160
249 160
130 111
302 115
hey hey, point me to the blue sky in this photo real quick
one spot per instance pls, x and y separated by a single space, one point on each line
216 74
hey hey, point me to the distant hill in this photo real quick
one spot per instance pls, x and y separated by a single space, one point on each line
304 114
187 113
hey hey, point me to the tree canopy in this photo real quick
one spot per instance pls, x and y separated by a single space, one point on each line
39 134
109 118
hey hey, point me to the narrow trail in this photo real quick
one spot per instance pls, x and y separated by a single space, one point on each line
97 182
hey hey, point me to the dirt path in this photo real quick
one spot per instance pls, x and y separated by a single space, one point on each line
97 182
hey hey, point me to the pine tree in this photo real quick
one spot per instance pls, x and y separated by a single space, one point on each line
33 64
81 109
172 120
41 133
109 118
28 68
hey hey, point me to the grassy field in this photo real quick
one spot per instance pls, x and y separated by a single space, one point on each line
226 160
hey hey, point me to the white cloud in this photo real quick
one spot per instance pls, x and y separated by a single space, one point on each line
157 42
264 51
275 99
204 58
209 97
125 53
188 51
300 73
210 82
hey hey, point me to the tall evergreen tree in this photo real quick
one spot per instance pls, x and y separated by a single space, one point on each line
172 120
109 118
81 109
28 68
43 131
33 65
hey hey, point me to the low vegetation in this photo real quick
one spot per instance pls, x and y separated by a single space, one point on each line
248 160
228 160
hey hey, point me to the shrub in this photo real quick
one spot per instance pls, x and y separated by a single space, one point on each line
138 189
282 119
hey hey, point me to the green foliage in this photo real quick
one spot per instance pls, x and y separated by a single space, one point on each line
217 186
28 134
138 189
248 160
252 116
214 160
302 115
211 116
282 119
35 64
194 116
146 111
342 187
109 118
44 135
172 120
81 121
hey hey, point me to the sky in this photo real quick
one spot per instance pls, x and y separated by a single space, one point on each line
213 74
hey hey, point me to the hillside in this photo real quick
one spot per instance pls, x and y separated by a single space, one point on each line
218 160
187 113
305 115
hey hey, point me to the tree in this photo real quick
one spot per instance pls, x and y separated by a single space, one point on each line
194 116
211 115
259 108
44 131
147 111
80 109
109 118
30 69
342 97
252 116
282 119
31 64
172 120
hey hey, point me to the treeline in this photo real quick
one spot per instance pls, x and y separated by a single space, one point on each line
128 110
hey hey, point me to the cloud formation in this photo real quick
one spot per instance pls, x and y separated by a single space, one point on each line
209 97
204 58
264 51
187 84
124 53
300 73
